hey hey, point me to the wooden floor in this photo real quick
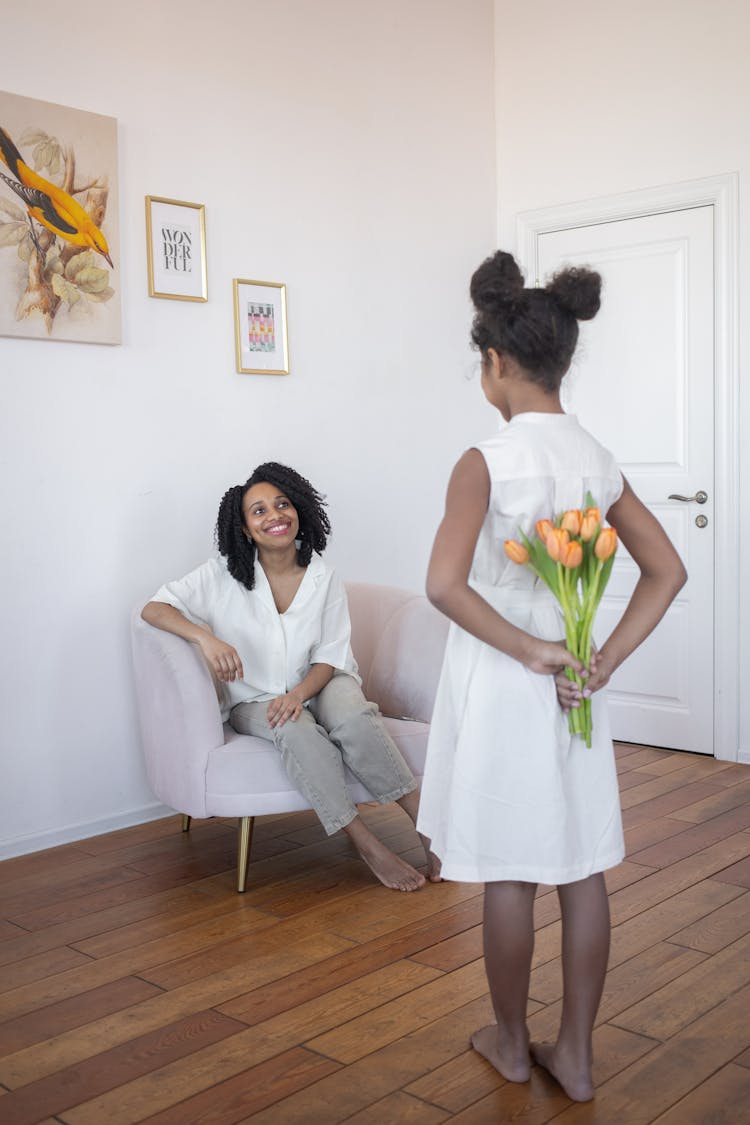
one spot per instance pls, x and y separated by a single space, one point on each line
136 985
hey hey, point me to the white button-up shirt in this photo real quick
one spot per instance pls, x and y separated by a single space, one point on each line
277 650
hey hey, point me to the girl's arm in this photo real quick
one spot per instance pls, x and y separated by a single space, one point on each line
662 576
450 565
224 659
289 706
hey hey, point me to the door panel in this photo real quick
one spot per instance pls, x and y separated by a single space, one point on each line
642 382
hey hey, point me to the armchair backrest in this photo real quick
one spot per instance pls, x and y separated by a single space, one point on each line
398 640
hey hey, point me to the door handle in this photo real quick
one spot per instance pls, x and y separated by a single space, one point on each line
699 498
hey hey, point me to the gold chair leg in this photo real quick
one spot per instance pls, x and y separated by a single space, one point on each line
243 850
186 822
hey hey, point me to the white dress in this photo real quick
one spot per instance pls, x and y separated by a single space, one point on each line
508 793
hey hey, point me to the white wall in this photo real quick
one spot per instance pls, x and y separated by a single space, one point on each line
597 99
343 147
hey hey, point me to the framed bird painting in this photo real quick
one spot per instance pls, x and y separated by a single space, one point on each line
59 231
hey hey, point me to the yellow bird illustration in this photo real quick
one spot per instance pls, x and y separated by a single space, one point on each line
49 204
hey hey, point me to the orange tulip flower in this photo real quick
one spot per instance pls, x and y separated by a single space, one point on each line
516 552
555 541
571 555
589 524
606 544
571 521
543 529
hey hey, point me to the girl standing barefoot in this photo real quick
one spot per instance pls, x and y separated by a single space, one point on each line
509 797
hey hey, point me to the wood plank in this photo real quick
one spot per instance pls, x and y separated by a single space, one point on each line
671 1070
458 1083
638 977
130 961
399 1107
140 887
650 788
110 1069
694 838
737 873
672 1007
70 1048
718 929
250 1091
678 876
663 920
21 867
723 1099
713 804
651 832
268 1000
40 967
373 1030
668 804
172 904
74 1012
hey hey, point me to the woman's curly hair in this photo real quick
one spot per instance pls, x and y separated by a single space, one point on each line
538 327
231 533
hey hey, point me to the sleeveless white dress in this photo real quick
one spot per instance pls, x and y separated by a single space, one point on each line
508 793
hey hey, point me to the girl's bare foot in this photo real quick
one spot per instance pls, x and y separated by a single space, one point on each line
574 1079
512 1061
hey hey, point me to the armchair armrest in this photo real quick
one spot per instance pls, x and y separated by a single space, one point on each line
179 715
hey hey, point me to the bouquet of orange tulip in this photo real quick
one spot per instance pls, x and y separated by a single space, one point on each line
574 557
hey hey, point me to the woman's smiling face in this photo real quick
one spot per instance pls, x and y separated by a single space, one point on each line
270 517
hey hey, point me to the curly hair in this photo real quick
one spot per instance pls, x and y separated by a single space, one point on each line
231 533
537 327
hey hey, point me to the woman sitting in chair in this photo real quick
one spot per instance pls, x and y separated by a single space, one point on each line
272 622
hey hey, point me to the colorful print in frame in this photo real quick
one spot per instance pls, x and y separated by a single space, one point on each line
260 328
59 231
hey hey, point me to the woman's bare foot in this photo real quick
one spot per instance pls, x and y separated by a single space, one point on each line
390 869
433 863
574 1079
512 1061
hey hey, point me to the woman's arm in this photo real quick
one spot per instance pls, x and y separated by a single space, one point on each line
662 576
450 565
289 706
224 659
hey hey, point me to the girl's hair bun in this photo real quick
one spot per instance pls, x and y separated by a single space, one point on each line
577 290
497 284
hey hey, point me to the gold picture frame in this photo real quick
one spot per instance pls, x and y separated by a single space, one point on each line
176 249
261 340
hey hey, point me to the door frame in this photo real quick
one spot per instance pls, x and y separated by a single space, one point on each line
722 194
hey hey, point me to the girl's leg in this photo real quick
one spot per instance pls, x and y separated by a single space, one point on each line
356 727
314 765
585 951
508 948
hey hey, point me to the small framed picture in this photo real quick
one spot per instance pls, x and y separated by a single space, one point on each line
260 332
176 249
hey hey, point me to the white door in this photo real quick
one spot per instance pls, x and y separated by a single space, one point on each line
642 382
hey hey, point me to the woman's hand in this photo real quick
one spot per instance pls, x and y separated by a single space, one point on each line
283 707
221 657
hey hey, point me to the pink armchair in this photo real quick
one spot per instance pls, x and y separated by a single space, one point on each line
203 768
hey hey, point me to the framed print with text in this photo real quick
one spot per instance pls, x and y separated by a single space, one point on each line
176 249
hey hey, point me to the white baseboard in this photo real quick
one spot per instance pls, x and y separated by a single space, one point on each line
22 845
743 757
